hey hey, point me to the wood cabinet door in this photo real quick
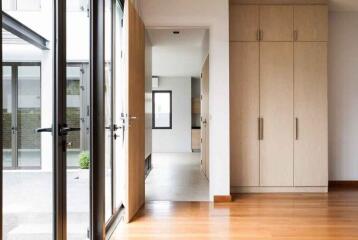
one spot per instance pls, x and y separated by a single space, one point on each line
276 110
276 23
311 23
244 22
244 113
310 104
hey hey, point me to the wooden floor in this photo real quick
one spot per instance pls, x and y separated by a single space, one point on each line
250 216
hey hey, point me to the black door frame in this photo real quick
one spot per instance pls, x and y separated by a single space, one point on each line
97 174
97 151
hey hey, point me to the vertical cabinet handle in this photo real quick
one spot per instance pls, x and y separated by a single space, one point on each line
261 128
295 35
261 35
296 128
258 35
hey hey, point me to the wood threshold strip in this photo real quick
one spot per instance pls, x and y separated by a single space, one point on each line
222 198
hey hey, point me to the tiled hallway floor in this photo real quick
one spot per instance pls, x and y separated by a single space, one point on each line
176 177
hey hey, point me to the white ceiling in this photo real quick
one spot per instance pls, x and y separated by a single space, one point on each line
177 55
343 5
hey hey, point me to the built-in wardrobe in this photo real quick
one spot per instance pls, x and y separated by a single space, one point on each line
278 97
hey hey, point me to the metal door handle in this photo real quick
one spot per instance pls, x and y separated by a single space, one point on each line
13 130
41 130
65 130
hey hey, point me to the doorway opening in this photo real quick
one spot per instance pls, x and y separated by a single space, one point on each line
179 160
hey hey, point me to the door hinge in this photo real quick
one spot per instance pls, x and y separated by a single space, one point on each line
122 22
201 75
82 70
201 140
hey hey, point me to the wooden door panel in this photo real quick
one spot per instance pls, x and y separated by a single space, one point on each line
244 22
310 98
134 54
276 23
276 110
311 23
205 119
244 113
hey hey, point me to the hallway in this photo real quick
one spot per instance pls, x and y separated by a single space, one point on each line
176 177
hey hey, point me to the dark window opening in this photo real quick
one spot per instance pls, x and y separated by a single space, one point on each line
162 110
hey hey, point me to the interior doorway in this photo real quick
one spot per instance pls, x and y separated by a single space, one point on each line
179 110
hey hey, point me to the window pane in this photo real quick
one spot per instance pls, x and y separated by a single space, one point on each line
162 109
7 117
29 116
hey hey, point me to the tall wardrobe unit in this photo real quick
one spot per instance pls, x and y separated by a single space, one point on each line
278 98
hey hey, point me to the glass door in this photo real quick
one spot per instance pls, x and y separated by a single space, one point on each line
28 194
22 115
118 112
77 118
114 112
108 109
46 119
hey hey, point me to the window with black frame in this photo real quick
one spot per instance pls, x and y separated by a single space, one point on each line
162 110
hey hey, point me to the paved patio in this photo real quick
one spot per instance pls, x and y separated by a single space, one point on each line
28 204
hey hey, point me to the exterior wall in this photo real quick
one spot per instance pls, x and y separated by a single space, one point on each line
177 139
342 96
212 14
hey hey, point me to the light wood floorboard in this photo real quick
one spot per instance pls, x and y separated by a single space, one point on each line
321 216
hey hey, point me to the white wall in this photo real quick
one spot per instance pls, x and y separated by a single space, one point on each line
177 139
343 96
212 14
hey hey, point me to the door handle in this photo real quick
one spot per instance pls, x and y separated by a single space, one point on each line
13 130
64 130
41 130
114 128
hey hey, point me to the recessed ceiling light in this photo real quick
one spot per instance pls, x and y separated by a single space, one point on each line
176 32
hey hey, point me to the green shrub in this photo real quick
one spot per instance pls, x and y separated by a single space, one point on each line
84 160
